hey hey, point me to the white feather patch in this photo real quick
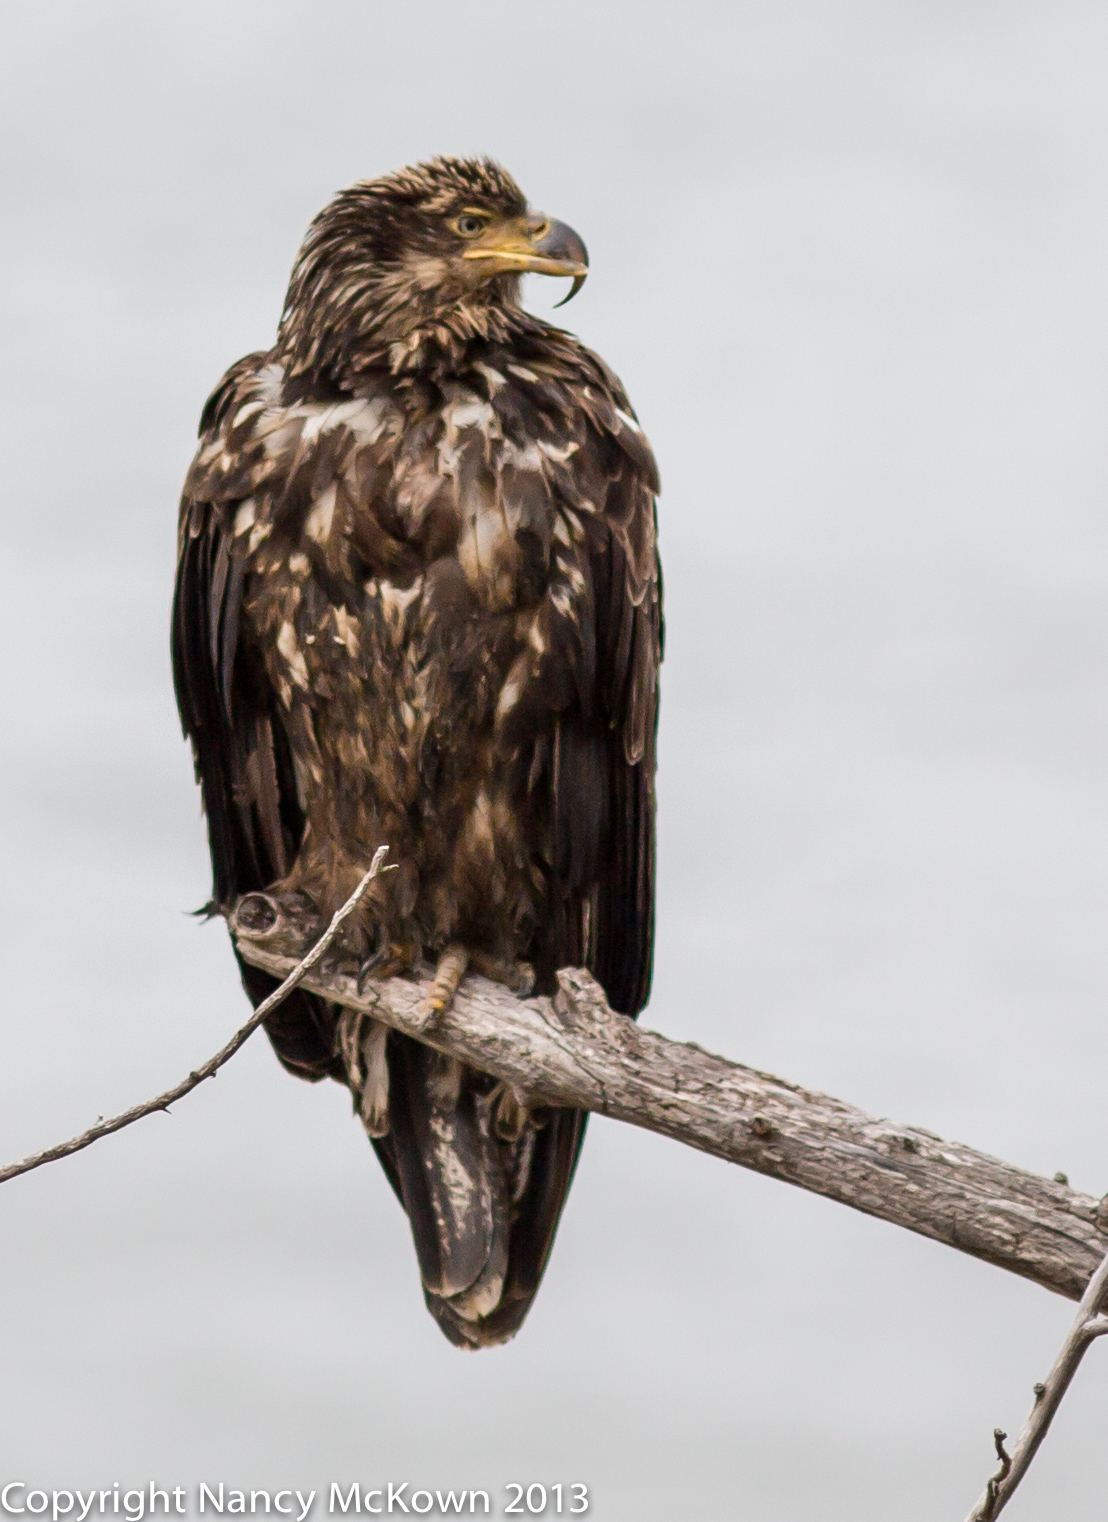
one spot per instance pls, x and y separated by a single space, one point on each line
244 517
495 379
318 522
347 628
293 656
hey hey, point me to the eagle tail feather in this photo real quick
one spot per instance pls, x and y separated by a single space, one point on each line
483 1208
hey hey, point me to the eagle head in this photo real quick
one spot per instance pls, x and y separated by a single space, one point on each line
408 270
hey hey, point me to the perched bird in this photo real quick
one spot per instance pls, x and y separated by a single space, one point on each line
418 603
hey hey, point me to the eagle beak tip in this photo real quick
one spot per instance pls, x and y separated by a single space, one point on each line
578 282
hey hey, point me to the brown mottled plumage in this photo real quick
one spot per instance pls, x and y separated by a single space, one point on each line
418 603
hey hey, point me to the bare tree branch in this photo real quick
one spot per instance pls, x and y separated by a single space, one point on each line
211 1067
1089 1324
572 1050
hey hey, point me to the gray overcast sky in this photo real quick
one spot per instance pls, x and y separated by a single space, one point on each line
850 261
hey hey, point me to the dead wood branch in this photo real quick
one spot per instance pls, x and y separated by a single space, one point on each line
1090 1323
572 1050
296 974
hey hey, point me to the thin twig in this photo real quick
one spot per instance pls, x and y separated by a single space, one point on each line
992 1489
1089 1324
212 1066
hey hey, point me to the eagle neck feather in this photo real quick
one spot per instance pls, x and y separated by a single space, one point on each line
339 323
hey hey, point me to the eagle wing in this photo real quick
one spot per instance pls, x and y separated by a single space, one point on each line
232 719
601 773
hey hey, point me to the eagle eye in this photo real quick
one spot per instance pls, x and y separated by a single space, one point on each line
470 223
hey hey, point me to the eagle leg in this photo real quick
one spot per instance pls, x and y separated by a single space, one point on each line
450 969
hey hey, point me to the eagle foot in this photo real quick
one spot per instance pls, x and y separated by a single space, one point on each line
450 969
389 960
517 976
453 964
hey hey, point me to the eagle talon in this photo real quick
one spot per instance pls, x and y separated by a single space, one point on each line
373 961
390 960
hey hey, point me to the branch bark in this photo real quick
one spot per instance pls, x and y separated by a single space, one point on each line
573 1050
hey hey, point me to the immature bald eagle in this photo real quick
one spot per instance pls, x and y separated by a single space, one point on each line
418 604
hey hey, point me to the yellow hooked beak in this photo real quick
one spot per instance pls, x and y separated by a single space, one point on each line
536 245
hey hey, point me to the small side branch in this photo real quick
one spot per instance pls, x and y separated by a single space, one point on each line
212 1066
1090 1323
